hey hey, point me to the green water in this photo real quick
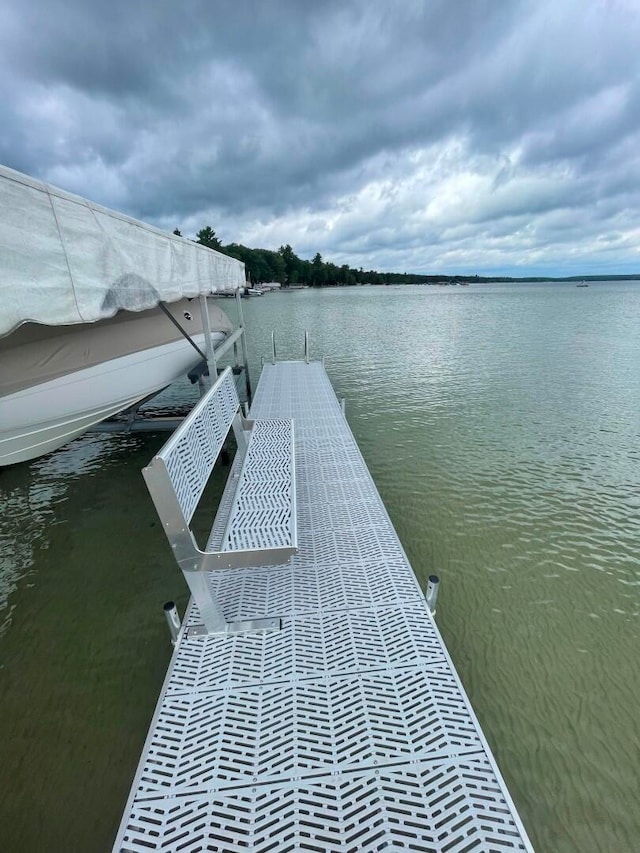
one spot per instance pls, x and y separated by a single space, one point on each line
501 424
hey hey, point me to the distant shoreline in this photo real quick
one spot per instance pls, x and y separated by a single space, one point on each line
449 281
489 279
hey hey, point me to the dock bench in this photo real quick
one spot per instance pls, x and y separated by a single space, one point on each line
256 521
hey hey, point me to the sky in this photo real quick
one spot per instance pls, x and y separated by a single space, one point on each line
448 136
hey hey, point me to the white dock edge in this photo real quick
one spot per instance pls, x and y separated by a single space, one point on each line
346 730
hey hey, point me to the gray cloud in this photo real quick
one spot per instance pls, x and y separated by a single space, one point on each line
399 136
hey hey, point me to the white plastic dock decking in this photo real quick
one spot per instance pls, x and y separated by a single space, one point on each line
347 729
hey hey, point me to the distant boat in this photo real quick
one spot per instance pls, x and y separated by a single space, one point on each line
582 284
251 289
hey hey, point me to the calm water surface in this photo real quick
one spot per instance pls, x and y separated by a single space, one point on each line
501 424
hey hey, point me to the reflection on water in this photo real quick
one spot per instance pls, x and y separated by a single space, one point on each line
31 497
501 424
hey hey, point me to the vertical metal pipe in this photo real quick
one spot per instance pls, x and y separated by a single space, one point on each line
206 328
243 341
306 346
273 346
173 620
433 585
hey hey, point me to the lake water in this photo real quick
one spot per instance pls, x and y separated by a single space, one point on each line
501 424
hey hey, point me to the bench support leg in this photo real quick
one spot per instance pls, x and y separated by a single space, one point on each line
242 626
210 611
213 617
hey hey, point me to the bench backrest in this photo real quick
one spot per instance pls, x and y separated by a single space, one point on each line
192 450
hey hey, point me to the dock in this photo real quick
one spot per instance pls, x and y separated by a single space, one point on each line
347 729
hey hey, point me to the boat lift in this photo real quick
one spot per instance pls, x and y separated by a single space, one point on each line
132 420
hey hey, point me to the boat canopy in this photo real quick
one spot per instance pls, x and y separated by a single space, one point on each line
65 260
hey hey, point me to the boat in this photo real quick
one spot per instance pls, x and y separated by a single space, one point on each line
56 382
582 284
98 312
252 290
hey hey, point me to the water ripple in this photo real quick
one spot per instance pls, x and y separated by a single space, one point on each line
501 427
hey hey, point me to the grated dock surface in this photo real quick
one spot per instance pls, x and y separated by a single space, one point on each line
348 729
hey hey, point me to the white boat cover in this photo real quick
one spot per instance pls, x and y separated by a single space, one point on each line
65 260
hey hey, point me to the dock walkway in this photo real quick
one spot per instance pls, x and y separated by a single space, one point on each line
347 729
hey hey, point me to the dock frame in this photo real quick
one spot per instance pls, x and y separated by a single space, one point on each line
348 728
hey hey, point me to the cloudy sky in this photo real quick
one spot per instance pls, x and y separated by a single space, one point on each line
438 136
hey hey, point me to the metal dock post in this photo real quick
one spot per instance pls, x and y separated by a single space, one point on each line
346 730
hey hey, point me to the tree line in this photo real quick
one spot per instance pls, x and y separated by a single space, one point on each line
285 267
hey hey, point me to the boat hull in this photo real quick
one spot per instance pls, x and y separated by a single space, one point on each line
41 417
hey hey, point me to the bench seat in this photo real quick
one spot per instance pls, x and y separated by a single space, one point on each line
256 521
